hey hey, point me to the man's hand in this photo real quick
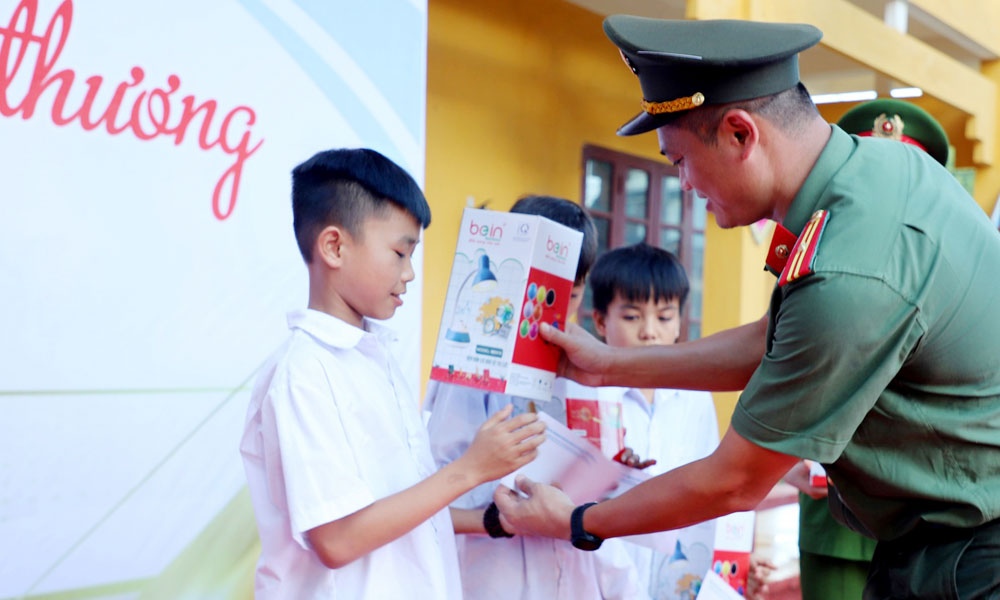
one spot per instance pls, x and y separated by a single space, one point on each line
503 445
584 358
798 477
545 512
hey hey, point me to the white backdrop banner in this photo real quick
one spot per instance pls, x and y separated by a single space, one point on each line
147 255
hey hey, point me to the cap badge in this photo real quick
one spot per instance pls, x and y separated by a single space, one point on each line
676 105
888 127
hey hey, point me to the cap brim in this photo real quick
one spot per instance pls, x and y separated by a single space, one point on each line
645 122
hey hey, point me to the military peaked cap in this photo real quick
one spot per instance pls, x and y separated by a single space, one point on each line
898 120
686 64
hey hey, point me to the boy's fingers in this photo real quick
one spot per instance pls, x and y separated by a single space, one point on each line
532 443
498 416
520 420
528 431
526 458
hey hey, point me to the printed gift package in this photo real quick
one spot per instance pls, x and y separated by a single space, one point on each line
733 545
511 273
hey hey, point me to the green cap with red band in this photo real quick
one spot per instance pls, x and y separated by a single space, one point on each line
898 120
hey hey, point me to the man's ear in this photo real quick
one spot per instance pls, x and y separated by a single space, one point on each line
330 245
600 323
739 129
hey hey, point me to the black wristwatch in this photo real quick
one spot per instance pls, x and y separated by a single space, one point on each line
491 522
580 538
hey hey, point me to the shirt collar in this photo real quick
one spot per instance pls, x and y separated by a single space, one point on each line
838 149
335 332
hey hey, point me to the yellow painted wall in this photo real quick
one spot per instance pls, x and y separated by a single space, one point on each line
515 88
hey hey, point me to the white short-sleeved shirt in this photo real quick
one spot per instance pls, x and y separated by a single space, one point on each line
332 427
679 427
518 568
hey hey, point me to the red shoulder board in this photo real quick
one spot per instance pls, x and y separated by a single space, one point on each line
800 262
782 242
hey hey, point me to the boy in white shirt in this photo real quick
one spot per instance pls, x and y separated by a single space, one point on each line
500 567
638 293
345 492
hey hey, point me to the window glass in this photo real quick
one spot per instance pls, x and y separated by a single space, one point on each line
634 233
636 194
603 226
597 186
670 203
695 275
670 239
698 212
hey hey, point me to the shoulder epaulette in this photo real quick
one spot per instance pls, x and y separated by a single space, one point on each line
800 261
782 242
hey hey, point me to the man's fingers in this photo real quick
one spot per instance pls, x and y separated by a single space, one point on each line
527 486
551 334
507 525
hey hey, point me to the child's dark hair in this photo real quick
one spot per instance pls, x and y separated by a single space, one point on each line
570 214
344 187
637 273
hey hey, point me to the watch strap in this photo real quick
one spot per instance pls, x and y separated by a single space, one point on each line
491 522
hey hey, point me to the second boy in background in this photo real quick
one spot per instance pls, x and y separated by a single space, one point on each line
638 294
517 567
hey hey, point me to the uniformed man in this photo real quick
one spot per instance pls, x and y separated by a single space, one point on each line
833 560
880 354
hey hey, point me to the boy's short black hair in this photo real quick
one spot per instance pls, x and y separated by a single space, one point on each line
570 214
344 187
637 273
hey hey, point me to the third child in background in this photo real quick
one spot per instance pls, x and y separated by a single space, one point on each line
638 293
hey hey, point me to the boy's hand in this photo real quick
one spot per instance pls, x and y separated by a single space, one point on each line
798 477
629 458
584 358
503 445
757 578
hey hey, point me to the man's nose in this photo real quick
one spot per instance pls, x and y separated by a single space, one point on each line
685 184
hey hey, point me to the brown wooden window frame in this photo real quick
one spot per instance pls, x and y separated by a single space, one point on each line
617 217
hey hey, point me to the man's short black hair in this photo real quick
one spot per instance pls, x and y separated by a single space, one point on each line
344 187
789 110
570 214
637 273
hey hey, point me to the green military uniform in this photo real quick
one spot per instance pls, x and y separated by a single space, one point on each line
883 350
883 345
834 560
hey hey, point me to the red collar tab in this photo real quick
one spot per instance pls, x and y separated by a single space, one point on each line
902 138
803 254
782 241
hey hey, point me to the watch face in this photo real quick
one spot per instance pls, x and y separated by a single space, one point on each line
587 542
